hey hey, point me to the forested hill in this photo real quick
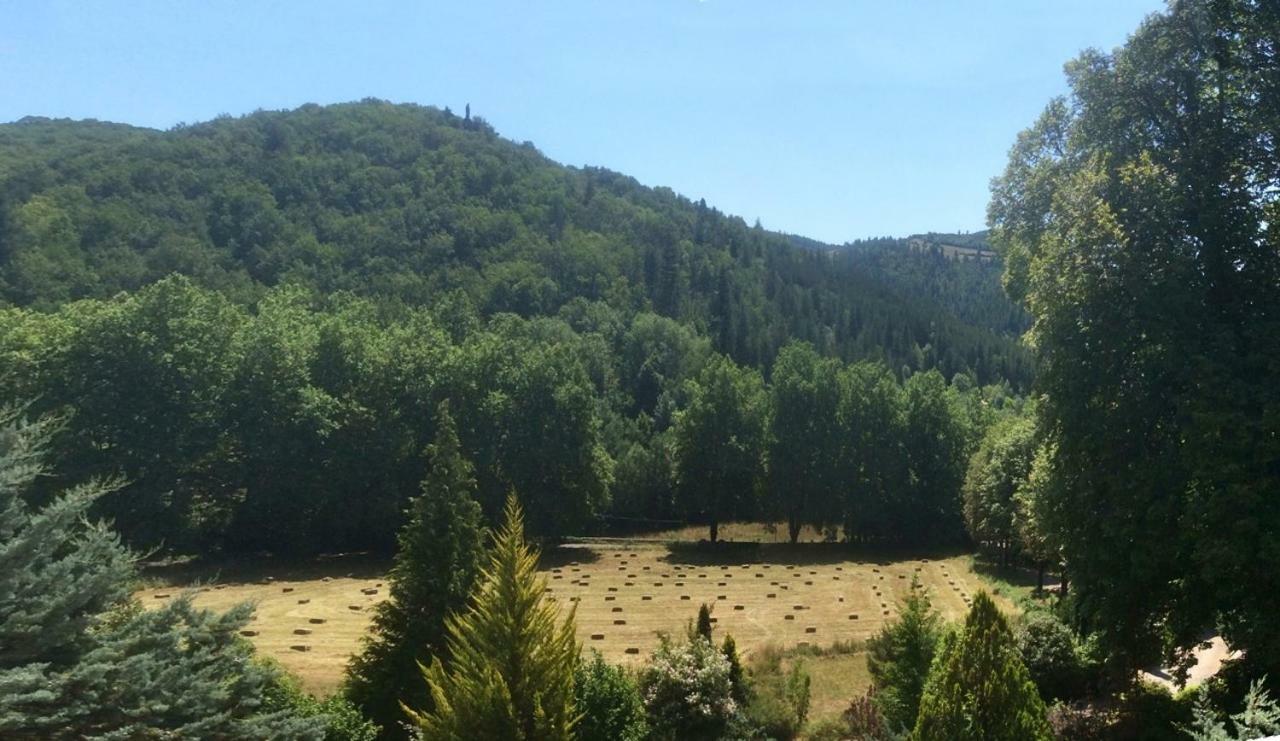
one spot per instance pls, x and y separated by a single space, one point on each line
421 206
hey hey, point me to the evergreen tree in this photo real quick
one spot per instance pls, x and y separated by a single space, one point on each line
80 659
609 701
978 688
899 657
439 555
510 671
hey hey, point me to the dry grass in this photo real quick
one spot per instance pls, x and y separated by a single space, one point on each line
626 592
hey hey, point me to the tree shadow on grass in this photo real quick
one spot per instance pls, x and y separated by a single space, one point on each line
1017 575
258 569
704 553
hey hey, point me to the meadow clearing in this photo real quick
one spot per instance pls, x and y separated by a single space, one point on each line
624 592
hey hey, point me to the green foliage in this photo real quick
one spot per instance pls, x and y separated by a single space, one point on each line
510 668
720 444
609 702
80 659
342 719
702 627
777 704
996 472
435 567
687 692
1052 656
978 687
737 679
1259 718
861 721
1149 712
899 657
1139 225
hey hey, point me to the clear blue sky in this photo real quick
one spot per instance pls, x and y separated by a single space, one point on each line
832 119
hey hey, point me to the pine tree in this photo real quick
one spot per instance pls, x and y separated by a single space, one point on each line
510 672
900 655
79 658
440 549
978 688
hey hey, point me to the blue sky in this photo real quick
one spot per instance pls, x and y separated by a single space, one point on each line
835 120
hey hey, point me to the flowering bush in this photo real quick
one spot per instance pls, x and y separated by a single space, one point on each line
687 691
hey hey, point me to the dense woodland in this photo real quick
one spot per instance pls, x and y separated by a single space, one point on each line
373 326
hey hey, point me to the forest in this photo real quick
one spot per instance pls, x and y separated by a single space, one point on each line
385 328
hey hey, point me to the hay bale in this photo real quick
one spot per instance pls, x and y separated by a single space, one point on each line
739 607
853 616
356 608
645 598
797 607
722 584
632 650
613 589
721 596
316 621
597 636
811 629
302 631
286 590
808 584
619 622
771 595
684 596
610 598
162 596
248 633
788 616
304 601
300 647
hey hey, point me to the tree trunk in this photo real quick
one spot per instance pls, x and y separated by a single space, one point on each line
1040 580
1063 589
715 530
793 530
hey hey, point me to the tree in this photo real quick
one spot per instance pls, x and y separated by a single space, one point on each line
1260 718
899 657
1139 226
435 567
720 439
978 688
79 658
996 471
936 446
1033 502
510 667
609 702
804 438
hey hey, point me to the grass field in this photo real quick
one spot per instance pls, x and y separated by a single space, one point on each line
310 617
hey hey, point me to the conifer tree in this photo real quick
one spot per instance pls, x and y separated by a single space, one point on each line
900 655
440 549
80 659
978 688
510 671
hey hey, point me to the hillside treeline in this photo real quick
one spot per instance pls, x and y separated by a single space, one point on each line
299 423
421 206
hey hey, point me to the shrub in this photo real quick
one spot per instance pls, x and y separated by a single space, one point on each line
342 720
1077 722
1260 717
1149 712
861 721
609 702
687 691
778 700
1051 654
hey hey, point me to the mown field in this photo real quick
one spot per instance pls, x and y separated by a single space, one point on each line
624 592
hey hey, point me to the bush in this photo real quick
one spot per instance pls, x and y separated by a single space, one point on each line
1077 722
1149 712
687 691
609 702
1051 654
342 719
778 700
861 721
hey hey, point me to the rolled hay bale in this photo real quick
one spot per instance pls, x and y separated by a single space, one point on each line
811 629
597 636
248 633
300 647
316 621
632 650
302 631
